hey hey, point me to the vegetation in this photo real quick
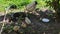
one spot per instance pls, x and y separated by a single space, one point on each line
20 3
37 26
56 5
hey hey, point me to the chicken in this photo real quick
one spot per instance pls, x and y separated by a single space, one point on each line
30 7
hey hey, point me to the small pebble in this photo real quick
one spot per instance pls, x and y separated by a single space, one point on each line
45 20
15 28
23 25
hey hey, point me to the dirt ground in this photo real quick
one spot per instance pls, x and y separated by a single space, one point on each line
40 27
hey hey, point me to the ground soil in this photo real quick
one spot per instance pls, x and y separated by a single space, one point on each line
40 27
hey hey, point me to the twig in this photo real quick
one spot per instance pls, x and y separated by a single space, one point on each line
3 22
2 29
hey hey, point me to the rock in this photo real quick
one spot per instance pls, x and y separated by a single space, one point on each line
23 25
15 28
45 20
27 20
21 32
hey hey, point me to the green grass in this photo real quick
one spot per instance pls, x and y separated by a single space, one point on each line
20 3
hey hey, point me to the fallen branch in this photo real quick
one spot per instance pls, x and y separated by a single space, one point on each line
2 28
3 22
